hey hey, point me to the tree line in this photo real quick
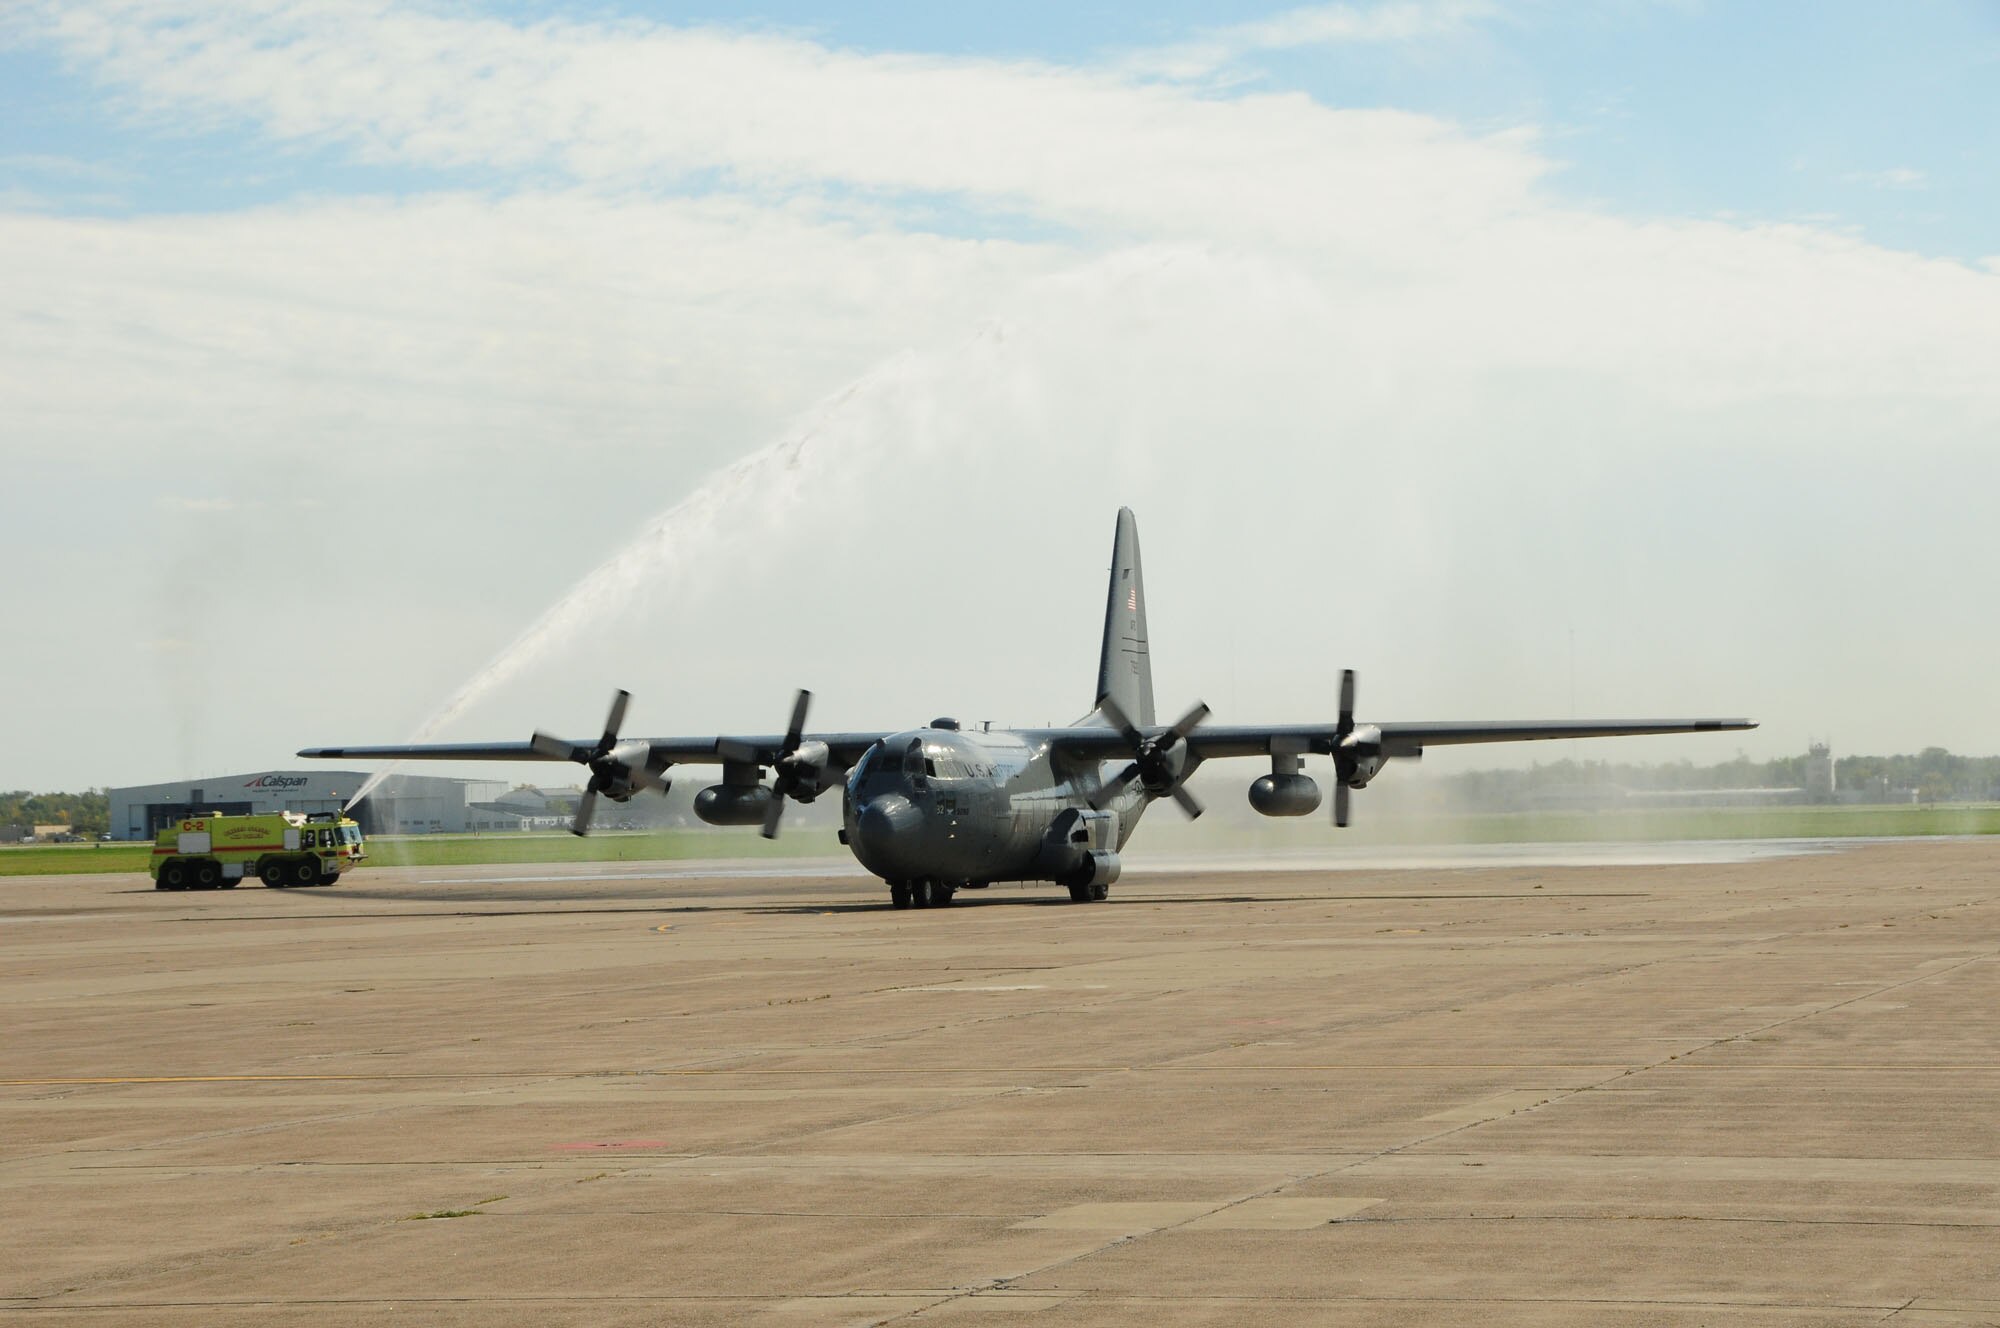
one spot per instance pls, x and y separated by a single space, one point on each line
86 813
1936 774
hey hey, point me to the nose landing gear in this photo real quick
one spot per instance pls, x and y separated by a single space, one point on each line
921 893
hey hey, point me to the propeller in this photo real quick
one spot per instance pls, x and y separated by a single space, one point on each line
617 770
1160 763
1342 730
799 770
1357 752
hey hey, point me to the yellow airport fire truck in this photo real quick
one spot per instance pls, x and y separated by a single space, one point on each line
214 852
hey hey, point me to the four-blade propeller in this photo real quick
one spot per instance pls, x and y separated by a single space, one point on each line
799 771
1357 752
617 769
1160 763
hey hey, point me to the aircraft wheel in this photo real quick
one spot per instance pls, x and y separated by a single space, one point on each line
207 875
271 872
899 893
305 871
1100 893
941 894
173 875
1079 894
920 893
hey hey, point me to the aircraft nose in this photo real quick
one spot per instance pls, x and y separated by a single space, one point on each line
888 828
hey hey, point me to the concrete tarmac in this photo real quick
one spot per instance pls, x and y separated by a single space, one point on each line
1764 1092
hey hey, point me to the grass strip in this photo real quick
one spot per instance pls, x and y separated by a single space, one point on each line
1656 826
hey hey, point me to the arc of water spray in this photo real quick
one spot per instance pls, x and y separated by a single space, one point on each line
772 482
776 477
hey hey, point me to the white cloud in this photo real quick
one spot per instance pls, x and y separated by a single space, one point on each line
398 326
647 106
1312 25
1378 400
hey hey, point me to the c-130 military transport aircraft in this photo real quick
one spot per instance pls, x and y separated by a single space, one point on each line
936 809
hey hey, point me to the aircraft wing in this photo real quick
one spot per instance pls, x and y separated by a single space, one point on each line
1409 739
1398 738
1208 742
844 749
432 751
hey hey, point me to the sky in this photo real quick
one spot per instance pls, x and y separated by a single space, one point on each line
370 369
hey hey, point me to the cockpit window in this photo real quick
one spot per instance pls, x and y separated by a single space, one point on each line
875 766
913 764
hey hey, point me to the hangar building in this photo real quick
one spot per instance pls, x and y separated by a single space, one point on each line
401 805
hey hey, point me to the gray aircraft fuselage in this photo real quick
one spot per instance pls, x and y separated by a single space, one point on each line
975 807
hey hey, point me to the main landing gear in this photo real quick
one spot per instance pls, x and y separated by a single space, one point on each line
921 893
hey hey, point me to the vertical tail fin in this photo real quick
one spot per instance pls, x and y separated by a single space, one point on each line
1124 665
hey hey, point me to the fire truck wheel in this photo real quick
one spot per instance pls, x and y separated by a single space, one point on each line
272 872
327 878
305 871
173 875
206 874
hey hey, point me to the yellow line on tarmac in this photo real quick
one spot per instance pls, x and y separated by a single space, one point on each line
717 1071
209 1079
857 1071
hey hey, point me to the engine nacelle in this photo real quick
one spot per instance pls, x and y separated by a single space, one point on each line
1363 752
628 768
1285 795
621 787
803 772
733 804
